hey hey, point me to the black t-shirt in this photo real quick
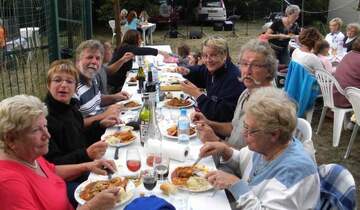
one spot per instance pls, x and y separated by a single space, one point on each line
278 28
117 80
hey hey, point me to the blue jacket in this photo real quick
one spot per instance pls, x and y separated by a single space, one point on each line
301 86
223 89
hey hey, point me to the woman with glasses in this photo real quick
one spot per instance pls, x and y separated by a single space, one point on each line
70 142
276 172
218 76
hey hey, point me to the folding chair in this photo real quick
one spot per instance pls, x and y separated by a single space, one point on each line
112 26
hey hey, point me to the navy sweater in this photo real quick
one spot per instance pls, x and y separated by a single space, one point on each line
223 89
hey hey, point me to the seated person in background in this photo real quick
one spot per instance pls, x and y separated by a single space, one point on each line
27 180
336 38
182 56
89 55
122 17
321 49
348 74
219 76
258 68
276 172
132 21
303 55
352 32
195 58
70 142
130 44
144 17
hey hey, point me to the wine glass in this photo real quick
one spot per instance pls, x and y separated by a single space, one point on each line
133 161
149 179
161 167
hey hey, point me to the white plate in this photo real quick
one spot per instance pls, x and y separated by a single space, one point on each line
130 108
203 189
109 132
165 133
178 107
130 186
131 83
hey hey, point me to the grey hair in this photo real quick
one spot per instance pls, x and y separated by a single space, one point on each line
257 46
124 12
19 112
354 25
291 9
218 43
273 110
91 44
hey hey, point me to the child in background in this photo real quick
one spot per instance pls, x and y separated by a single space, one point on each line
195 58
181 58
321 49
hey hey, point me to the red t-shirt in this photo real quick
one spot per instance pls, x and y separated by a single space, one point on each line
21 188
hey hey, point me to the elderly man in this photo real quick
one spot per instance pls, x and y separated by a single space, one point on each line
276 172
258 66
89 56
219 76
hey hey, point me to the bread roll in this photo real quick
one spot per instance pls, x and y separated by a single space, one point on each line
168 188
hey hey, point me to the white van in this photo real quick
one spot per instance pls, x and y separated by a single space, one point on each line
211 10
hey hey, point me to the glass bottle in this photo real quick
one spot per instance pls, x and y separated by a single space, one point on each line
144 119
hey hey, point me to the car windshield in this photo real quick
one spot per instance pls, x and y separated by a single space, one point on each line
211 3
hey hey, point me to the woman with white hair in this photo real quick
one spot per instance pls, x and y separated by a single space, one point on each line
281 31
27 180
352 32
276 171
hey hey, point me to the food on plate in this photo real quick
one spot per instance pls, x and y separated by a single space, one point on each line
131 104
96 187
133 79
172 131
188 178
120 137
168 188
177 102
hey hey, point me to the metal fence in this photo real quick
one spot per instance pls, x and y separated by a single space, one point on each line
38 32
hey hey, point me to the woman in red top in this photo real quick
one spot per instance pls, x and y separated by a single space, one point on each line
27 180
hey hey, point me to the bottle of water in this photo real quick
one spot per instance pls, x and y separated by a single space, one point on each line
155 75
183 127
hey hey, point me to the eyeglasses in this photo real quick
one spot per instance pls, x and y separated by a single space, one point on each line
250 132
254 66
60 81
210 57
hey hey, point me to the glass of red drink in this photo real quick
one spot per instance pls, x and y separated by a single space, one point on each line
133 159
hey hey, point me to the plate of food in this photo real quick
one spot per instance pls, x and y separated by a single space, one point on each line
172 133
131 104
119 138
177 103
191 179
132 81
88 189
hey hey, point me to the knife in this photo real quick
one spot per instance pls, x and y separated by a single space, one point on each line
116 155
196 162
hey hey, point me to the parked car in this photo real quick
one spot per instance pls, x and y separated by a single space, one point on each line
211 10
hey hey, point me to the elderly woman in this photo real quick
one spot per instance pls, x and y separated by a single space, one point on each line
335 38
258 67
281 31
348 74
219 76
129 47
352 32
70 141
303 55
276 171
27 180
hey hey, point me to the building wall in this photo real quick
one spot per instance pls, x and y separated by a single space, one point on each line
348 14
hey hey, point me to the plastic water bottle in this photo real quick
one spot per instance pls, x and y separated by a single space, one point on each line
183 127
155 74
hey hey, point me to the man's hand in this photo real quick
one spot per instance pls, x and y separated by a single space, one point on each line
127 57
190 89
120 96
197 117
206 133
182 70
110 121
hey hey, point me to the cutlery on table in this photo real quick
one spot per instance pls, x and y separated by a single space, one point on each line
116 155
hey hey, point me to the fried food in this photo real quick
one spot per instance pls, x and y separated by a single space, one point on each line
188 178
131 104
181 174
177 102
96 187
120 137
133 79
172 131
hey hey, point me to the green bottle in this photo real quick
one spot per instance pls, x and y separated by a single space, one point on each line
144 118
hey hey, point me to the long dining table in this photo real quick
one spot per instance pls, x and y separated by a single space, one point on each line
210 200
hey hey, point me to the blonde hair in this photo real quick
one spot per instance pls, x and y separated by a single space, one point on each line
273 110
19 112
218 43
62 66
337 21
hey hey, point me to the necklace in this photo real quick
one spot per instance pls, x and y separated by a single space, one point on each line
34 165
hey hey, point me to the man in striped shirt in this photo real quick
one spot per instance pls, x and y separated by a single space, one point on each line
89 55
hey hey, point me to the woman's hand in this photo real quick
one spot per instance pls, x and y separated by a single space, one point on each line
182 70
102 201
190 89
206 133
221 180
97 150
212 148
127 57
198 117
99 166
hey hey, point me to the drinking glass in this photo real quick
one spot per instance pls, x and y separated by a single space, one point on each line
133 160
161 167
149 179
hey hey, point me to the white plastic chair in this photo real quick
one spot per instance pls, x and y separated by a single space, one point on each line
327 82
112 26
353 95
32 36
303 132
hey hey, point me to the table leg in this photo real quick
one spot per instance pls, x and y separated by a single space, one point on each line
144 38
